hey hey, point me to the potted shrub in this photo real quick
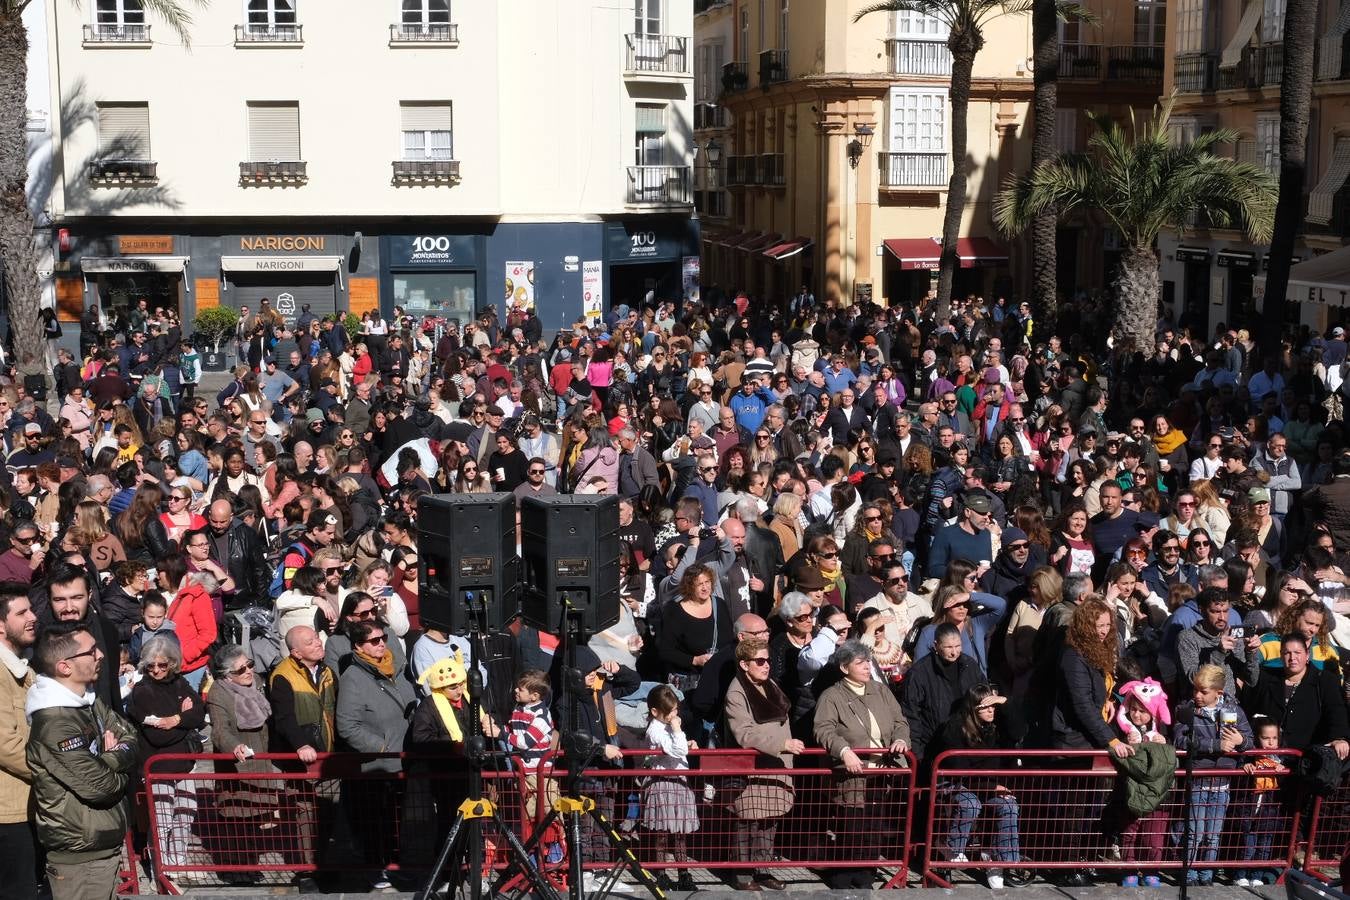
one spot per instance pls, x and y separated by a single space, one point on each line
212 327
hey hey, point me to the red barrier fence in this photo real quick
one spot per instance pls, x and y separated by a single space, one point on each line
1014 811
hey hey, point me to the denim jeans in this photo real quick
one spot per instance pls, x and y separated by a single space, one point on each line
1209 805
966 808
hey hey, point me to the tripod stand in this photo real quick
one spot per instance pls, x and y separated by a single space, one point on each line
580 748
462 849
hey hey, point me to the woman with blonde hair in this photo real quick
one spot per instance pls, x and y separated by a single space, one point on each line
1045 588
1211 511
786 510
89 534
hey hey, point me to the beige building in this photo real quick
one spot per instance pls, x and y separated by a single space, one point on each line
833 142
1225 62
359 153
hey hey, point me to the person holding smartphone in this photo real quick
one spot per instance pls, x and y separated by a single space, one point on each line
1215 641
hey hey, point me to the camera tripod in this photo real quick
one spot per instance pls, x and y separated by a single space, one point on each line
579 750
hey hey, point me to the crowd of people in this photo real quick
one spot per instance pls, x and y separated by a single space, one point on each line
857 529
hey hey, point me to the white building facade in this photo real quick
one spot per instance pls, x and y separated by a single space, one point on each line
351 154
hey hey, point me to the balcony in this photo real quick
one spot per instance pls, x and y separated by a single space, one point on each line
741 170
420 34
773 67
1135 63
919 58
273 174
655 54
711 204
1333 57
927 169
113 35
659 186
425 172
772 170
268 35
1196 73
709 115
735 77
1260 66
123 172
1080 62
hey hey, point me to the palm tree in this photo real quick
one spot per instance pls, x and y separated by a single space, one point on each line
17 253
1142 181
1300 30
965 21
1045 101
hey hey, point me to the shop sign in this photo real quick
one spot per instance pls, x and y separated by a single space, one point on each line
280 263
133 244
1192 254
431 250
290 243
640 242
122 264
1236 259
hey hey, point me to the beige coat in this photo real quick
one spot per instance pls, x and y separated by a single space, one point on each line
240 799
841 724
16 781
763 796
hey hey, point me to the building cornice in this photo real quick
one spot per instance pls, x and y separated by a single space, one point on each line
845 87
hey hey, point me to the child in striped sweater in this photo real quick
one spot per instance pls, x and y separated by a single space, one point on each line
530 733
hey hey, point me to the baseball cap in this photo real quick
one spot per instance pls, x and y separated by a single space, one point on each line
978 502
1258 495
32 428
1338 331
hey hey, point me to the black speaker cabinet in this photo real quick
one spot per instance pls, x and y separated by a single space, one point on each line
571 544
467 542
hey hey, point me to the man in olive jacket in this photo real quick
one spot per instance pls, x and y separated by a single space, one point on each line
82 756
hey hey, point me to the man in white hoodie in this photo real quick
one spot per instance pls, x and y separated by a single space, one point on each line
18 854
83 757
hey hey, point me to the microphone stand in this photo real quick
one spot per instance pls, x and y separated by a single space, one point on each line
1187 718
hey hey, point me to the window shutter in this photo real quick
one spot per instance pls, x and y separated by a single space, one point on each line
124 130
427 116
651 120
274 132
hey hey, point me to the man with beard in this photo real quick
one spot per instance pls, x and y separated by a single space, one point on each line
1017 559
70 603
18 853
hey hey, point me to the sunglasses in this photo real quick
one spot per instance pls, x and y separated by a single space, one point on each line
156 666
26 540
828 554
1185 503
1020 545
380 639
899 580
246 667
707 468
536 471
759 661
1201 544
90 652
363 615
805 617
871 518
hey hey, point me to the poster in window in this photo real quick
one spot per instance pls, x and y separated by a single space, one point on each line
689 273
520 285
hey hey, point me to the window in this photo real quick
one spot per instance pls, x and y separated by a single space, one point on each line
274 132
1191 32
1272 22
650 135
428 131
918 121
124 131
1150 24
647 15
782 24
271 15
913 26
1184 129
112 15
449 294
708 76
419 14
1073 31
743 48
1268 141
1066 130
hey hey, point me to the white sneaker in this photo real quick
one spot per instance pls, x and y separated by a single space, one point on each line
995 882
959 858
1243 882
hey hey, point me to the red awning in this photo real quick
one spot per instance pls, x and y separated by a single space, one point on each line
761 242
789 248
731 238
924 253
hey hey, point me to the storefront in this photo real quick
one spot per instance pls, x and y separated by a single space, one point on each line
118 271
910 268
1195 288
646 258
432 274
1240 266
288 270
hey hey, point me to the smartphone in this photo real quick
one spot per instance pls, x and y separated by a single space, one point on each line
1238 633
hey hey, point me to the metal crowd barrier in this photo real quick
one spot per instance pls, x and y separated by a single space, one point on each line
1049 810
1329 832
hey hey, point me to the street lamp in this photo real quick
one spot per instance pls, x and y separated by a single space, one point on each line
862 139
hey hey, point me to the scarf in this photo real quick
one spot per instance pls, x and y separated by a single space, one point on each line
384 665
449 719
767 705
251 709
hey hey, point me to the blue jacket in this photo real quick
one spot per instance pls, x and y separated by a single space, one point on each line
706 494
750 409
984 617
1208 753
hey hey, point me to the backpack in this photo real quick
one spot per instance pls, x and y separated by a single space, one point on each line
278 585
255 629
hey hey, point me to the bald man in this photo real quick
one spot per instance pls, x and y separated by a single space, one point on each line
238 550
706 700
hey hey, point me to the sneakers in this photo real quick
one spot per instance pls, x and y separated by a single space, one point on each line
959 858
995 882
382 883
1130 881
1152 881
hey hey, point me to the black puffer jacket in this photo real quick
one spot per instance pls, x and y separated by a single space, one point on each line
930 694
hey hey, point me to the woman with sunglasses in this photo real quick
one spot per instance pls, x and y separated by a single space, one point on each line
357 607
180 519
972 613
168 712
240 718
872 524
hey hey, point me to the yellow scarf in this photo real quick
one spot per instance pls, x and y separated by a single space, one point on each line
385 664
448 717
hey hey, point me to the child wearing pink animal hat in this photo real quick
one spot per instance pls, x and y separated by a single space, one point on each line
1142 715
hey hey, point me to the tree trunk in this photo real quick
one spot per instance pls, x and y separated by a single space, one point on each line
1300 32
16 221
964 48
1138 289
1045 71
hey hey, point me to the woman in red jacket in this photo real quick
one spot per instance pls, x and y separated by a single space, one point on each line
191 612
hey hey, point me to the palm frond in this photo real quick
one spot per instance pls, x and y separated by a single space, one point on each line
175 15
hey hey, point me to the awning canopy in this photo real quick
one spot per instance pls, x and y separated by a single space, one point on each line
789 248
1236 259
925 253
761 242
280 263
1324 279
1322 200
736 238
100 265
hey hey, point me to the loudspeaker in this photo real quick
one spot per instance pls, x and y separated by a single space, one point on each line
467 542
570 543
